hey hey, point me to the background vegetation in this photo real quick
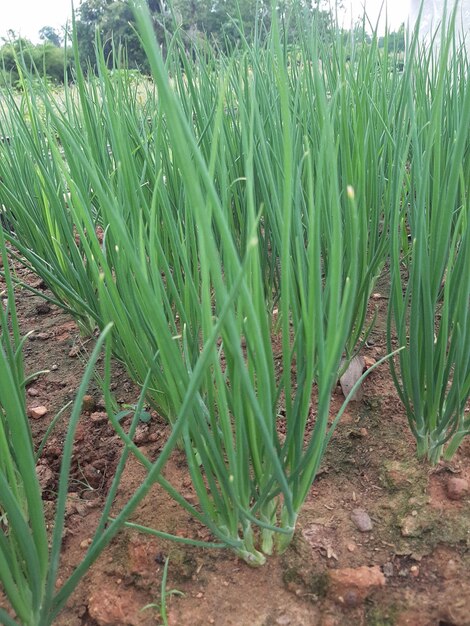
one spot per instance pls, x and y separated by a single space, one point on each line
220 24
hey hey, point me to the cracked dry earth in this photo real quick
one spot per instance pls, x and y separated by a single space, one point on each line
382 539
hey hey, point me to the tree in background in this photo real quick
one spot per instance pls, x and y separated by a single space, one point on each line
49 34
47 59
219 22
113 21
395 40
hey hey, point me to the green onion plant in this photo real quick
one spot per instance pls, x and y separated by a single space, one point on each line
29 556
430 262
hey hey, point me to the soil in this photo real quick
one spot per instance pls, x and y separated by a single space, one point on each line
410 568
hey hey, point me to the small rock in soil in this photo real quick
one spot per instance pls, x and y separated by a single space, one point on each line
351 599
388 569
74 352
43 308
350 586
361 520
33 392
43 336
457 488
54 367
351 376
37 412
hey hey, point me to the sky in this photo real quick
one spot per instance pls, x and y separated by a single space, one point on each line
27 17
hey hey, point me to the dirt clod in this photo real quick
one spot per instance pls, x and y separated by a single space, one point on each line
43 308
115 606
351 586
45 475
457 488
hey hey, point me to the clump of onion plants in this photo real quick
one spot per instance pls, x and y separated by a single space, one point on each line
29 554
183 221
249 453
431 253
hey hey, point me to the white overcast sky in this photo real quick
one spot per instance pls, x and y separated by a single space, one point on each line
27 17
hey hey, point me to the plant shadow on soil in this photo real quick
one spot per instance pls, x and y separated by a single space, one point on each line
419 542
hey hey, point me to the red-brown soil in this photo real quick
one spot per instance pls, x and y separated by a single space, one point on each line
411 569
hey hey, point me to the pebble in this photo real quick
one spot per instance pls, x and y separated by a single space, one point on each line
351 599
388 569
36 412
43 336
361 520
33 392
75 351
457 488
54 367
